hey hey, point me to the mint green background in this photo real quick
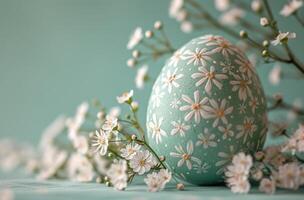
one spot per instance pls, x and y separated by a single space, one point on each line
56 53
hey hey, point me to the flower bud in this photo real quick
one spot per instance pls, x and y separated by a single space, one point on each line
162 158
158 25
98 179
264 21
131 62
265 53
180 186
135 54
149 34
134 106
243 34
265 43
259 155
100 115
133 137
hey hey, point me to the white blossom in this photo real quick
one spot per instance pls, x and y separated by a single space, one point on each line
175 7
264 21
110 123
141 76
267 185
80 169
283 37
100 142
135 38
81 144
130 151
275 75
118 174
186 26
125 97
232 16
288 176
157 181
222 5
237 173
291 7
142 162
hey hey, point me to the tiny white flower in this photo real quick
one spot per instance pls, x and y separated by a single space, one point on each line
141 76
80 169
267 185
288 176
206 139
170 80
186 26
283 37
154 182
219 111
179 127
100 142
232 16
175 7
155 127
130 151
142 162
110 123
291 7
256 5
196 108
81 144
125 97
186 156
165 175
135 38
222 5
114 111
209 77
275 75
118 174
264 21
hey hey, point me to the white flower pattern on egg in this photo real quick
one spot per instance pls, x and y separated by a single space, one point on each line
206 105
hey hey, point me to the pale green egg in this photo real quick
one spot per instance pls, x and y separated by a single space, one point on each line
206 105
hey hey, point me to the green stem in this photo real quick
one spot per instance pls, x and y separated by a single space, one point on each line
274 27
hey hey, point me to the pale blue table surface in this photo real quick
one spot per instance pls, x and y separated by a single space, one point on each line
29 188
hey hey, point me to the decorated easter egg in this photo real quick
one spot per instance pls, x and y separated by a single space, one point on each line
206 105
